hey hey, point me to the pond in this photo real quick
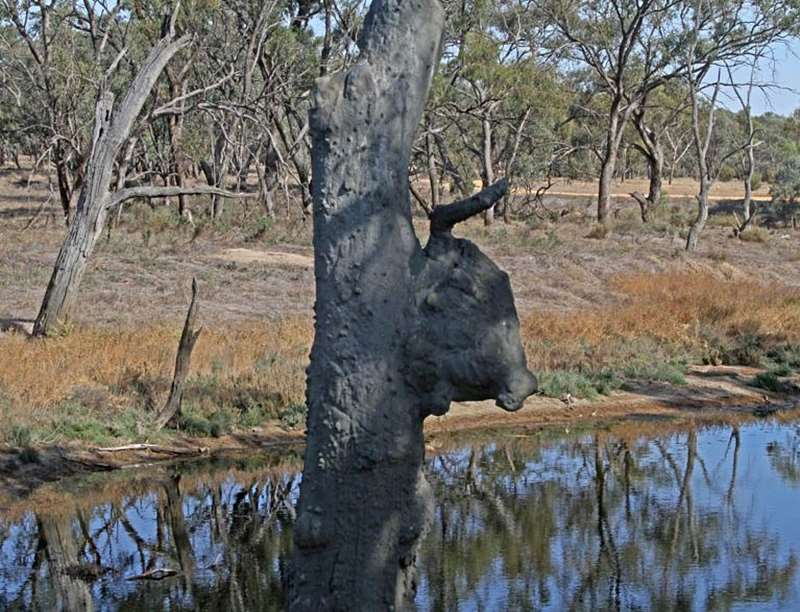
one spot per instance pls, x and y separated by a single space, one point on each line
639 517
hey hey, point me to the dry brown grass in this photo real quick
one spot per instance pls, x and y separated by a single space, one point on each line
676 312
94 376
39 373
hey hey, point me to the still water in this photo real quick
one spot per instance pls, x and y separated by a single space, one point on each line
641 517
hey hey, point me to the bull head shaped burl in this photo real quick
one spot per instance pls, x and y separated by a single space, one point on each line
465 343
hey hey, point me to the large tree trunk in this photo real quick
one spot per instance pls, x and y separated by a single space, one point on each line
608 162
64 183
604 189
700 220
111 130
216 170
749 170
654 153
702 144
63 557
395 325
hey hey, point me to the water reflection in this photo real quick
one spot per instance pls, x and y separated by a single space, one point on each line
677 521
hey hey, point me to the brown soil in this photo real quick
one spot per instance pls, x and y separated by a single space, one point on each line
143 271
712 394
142 274
680 188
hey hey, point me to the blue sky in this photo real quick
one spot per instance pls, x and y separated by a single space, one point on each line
785 99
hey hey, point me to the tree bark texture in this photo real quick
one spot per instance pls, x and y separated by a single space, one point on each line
111 130
183 360
401 331
702 144
654 153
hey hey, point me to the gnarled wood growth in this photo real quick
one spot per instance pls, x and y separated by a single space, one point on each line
401 331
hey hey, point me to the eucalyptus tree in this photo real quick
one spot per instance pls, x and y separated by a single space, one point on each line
50 50
113 125
659 116
630 48
719 34
494 104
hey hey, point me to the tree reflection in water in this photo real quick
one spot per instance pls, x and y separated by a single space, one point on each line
678 521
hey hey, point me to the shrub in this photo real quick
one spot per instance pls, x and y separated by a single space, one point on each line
29 455
754 234
787 355
661 371
558 383
214 425
786 188
727 173
769 380
19 436
294 416
598 232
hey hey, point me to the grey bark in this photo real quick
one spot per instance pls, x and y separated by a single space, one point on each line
111 130
401 331
702 144
618 118
748 158
216 169
488 169
172 409
433 172
653 151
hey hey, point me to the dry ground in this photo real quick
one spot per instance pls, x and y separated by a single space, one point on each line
142 271
679 188
612 311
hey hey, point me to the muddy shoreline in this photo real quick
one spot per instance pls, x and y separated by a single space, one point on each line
712 395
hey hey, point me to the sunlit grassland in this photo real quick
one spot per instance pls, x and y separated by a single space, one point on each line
103 385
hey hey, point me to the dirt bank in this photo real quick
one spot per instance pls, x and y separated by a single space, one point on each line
712 394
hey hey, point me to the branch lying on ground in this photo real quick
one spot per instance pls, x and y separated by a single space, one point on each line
167 192
168 450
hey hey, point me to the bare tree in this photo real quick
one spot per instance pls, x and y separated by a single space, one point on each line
112 129
172 409
395 323
723 36
701 137
748 152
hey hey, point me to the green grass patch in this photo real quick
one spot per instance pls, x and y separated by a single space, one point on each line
558 383
671 372
294 416
212 425
771 380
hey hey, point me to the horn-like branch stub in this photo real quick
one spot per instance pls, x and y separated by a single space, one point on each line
443 218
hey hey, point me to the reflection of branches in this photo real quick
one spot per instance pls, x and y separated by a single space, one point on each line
88 540
180 535
736 438
607 544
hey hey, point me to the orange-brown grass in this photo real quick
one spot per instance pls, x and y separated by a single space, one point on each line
99 378
677 313
103 367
